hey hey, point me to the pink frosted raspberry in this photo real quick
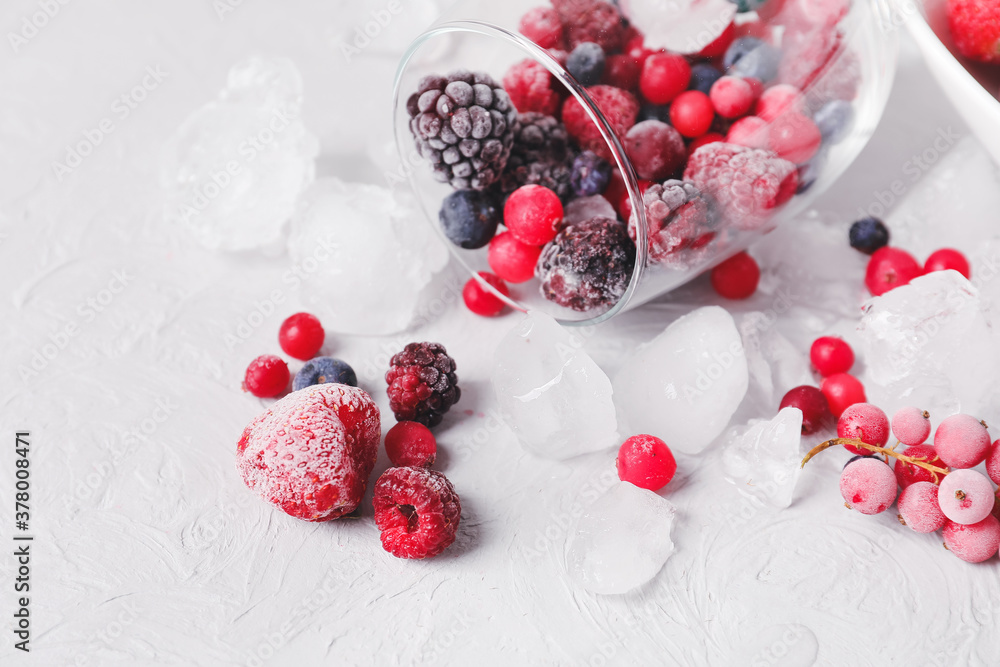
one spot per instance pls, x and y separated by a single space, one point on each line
962 441
868 485
993 462
620 108
907 473
911 426
677 215
542 26
591 21
966 496
974 543
312 453
747 183
530 87
918 508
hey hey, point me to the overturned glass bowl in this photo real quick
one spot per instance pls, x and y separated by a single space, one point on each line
669 134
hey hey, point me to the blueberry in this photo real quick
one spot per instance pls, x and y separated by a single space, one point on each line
739 48
469 218
868 235
761 63
833 119
322 370
855 458
591 174
586 63
703 76
809 172
743 6
660 112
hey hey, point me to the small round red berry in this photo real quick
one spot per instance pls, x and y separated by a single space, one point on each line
779 99
646 461
794 137
622 71
966 496
637 49
301 336
864 422
267 376
481 301
731 96
737 277
625 202
842 390
889 268
831 355
664 77
756 85
717 47
868 485
911 426
703 140
975 543
410 444
532 214
692 113
919 509
512 260
749 131
811 401
948 258
907 473
993 462
962 441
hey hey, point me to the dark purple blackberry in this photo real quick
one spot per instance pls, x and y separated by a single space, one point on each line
422 383
540 155
464 124
591 174
678 217
588 265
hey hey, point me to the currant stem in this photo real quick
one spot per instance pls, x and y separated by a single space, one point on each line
912 460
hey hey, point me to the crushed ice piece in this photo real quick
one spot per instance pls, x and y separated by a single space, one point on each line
362 256
621 541
236 166
775 364
552 395
681 26
685 384
585 208
764 459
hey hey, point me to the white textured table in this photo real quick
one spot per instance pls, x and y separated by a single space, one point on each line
149 550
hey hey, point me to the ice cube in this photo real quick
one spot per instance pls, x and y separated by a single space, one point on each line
621 541
585 208
685 384
763 457
236 166
682 26
362 254
775 364
552 395
930 344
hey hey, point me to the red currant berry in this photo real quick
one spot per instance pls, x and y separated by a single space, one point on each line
622 71
842 390
919 509
692 113
830 355
301 336
962 441
975 543
947 258
907 473
778 99
911 426
966 496
703 140
993 462
794 137
646 461
717 48
411 444
480 300
889 268
749 131
533 213
815 410
868 485
737 277
864 422
731 96
664 77
267 376
635 48
512 260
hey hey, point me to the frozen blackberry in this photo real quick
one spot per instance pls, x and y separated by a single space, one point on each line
678 217
464 124
591 174
540 155
868 235
422 383
588 265
586 63
469 218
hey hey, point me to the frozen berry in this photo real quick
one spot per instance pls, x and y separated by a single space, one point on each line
739 48
975 543
542 26
646 461
311 454
622 71
975 27
749 131
469 218
322 370
830 355
962 441
709 138
815 410
417 511
590 175
266 376
422 383
542 154
664 77
833 120
919 509
531 87
760 63
586 63
618 106
301 336
737 277
794 137
592 21
718 46
692 113
677 215
868 486
947 258
778 100
911 426
703 77
480 300
411 444
842 390
993 462
512 260
731 97
532 214
656 149
889 268
966 496
907 473
624 207
869 235
864 422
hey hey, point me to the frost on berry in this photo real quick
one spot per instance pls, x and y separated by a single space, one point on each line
619 107
679 218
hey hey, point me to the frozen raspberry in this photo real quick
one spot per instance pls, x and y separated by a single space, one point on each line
975 25
591 21
410 444
586 63
532 88
417 511
618 106
948 259
993 462
588 265
540 155
622 71
542 26
747 183
646 461
676 215
422 383
907 473
975 543
864 422
842 390
794 137
889 268
868 235
868 485
966 496
481 301
911 426
301 336
512 260
918 508
591 174
731 97
737 277
266 376
830 355
656 149
533 214
664 77
962 441
312 453
463 124
813 405
692 113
